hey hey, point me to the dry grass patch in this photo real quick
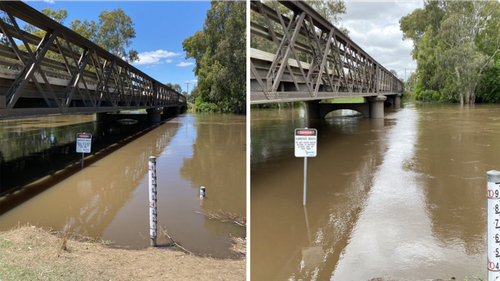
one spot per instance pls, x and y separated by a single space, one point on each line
31 253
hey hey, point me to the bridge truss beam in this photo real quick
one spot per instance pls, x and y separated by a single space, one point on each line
302 56
65 73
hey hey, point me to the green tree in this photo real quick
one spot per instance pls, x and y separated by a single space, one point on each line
87 29
59 16
466 23
113 33
489 86
331 10
220 54
416 24
193 95
454 43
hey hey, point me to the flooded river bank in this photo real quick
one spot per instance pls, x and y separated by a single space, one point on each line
109 198
402 197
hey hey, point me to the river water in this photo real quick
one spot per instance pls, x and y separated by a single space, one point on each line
109 197
403 197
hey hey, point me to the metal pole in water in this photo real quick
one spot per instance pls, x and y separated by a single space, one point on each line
493 222
152 200
305 181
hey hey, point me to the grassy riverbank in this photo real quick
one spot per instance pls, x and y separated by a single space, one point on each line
32 253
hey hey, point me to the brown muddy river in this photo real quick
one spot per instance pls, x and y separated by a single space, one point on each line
109 197
402 197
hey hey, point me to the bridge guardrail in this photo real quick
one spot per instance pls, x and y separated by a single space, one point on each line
309 58
65 73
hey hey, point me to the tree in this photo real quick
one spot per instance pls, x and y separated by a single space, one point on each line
454 43
113 33
489 86
193 95
465 24
86 29
59 16
220 54
415 25
331 10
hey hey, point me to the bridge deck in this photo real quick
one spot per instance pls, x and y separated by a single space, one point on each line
64 73
311 59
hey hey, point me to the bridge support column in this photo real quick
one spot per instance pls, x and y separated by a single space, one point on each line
397 101
377 106
154 115
166 113
312 109
101 117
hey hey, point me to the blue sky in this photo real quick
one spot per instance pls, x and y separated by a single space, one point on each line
160 28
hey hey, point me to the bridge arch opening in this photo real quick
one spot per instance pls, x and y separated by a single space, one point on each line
344 114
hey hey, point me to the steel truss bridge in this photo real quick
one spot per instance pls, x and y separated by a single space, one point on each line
306 58
64 73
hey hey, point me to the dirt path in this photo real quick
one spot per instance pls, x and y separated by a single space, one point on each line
31 253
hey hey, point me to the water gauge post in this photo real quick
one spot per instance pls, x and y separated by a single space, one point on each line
493 211
152 201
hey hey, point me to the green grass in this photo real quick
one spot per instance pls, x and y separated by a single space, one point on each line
349 100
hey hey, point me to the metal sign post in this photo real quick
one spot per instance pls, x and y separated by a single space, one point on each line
83 144
493 221
305 146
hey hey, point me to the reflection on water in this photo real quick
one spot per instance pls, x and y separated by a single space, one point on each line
108 199
33 148
400 197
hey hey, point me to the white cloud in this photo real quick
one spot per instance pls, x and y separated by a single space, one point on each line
374 26
185 63
192 81
49 1
168 61
154 57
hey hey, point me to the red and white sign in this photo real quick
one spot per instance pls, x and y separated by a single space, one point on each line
306 142
83 142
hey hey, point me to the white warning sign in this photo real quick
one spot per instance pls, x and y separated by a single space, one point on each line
306 142
83 142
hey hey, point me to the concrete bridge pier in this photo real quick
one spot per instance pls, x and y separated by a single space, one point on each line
377 106
170 112
101 117
154 115
395 101
313 110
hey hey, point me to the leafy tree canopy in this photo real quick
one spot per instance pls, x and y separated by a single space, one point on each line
455 43
220 54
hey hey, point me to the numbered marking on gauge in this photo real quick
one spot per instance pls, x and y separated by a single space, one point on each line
493 206
493 190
